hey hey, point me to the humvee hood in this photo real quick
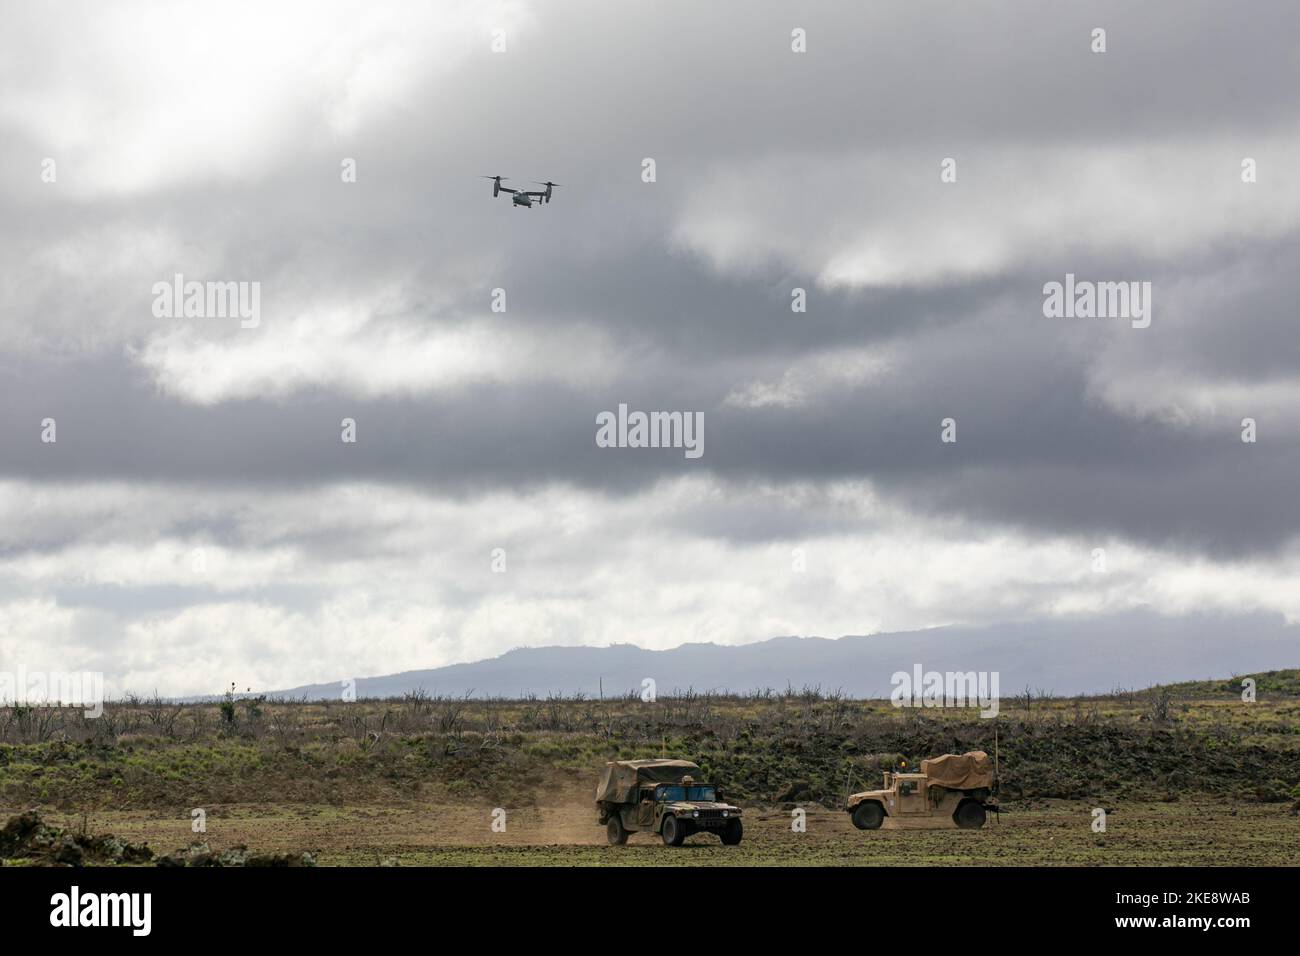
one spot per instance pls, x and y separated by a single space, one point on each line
702 805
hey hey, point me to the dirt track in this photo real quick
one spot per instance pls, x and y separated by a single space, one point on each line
1183 833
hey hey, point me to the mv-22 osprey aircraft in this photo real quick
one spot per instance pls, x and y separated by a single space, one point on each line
521 197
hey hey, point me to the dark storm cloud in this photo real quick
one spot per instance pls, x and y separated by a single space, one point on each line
582 99
1033 449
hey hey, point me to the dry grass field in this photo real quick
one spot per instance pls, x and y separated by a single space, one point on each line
1189 774
1055 834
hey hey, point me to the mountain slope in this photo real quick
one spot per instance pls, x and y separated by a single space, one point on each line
1060 656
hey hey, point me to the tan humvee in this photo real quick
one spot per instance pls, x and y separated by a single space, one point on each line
662 796
951 791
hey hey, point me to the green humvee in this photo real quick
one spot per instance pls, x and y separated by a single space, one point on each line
662 796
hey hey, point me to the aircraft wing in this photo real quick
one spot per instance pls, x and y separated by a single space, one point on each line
507 189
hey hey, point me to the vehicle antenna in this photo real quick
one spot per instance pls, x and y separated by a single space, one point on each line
997 763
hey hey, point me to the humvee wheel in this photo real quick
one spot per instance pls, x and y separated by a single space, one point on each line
615 831
970 815
673 832
868 815
732 833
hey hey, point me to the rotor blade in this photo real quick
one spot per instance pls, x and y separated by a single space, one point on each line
494 177
547 184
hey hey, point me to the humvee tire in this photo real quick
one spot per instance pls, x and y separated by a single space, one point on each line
970 815
732 833
673 832
868 815
615 831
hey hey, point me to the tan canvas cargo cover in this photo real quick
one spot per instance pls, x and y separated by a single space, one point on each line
967 771
622 778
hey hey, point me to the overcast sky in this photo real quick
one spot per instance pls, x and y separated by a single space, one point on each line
198 519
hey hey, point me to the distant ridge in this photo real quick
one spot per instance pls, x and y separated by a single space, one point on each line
1061 656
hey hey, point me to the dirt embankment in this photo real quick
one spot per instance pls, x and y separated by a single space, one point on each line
28 839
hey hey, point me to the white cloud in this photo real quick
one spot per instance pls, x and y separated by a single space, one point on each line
813 377
1181 400
344 348
1206 362
883 218
386 580
149 95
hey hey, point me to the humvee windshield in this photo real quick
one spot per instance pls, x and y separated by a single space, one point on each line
708 794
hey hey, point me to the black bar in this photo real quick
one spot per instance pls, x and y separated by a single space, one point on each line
329 905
